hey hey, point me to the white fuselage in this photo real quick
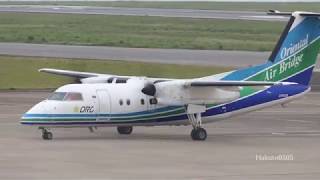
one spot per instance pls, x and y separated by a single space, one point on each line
114 104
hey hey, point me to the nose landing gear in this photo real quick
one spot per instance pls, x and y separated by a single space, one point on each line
124 129
46 135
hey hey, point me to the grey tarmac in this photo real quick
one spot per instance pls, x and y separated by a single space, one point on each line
183 13
152 55
235 148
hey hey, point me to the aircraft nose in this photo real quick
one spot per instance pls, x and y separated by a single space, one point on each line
36 110
39 108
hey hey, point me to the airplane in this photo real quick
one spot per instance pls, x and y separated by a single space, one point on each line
103 100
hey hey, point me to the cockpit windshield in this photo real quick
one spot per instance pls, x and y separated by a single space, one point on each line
72 96
66 96
57 96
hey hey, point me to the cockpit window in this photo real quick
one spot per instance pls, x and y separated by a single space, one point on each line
63 96
57 96
72 96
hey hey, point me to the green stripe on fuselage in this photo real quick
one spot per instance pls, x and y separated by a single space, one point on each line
179 110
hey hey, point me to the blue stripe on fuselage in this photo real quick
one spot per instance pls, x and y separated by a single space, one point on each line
148 112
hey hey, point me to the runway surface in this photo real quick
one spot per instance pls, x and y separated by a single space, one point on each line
169 56
185 13
233 150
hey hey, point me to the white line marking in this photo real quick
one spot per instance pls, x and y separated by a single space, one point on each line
301 121
266 17
278 133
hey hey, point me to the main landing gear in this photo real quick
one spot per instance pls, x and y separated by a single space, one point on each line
46 135
124 129
197 133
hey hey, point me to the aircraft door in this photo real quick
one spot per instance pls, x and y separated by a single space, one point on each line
104 104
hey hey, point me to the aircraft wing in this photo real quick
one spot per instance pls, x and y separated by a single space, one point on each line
175 91
75 74
88 77
197 91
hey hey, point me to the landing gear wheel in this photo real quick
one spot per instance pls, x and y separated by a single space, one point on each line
193 136
124 129
199 134
47 135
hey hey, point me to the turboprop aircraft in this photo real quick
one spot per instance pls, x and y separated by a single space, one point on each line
127 101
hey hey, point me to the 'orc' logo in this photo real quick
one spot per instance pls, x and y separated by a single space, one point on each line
87 109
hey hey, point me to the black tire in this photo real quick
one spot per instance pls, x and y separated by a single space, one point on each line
193 136
47 136
199 134
124 129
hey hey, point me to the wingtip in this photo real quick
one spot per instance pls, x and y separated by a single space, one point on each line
41 70
45 69
273 11
278 13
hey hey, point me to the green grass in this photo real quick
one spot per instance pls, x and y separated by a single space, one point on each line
22 72
147 32
242 6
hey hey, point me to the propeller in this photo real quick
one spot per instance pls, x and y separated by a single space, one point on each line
149 89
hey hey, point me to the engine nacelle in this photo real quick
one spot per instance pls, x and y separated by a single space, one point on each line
178 93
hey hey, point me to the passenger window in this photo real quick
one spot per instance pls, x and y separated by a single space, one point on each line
57 96
120 102
153 101
128 102
72 96
142 101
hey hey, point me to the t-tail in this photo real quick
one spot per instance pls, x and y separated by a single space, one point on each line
293 57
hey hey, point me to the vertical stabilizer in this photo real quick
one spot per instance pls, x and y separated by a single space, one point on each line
294 55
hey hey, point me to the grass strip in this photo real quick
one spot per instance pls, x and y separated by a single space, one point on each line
22 72
146 32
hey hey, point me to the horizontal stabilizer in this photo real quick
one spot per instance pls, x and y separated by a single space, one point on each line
278 13
301 13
